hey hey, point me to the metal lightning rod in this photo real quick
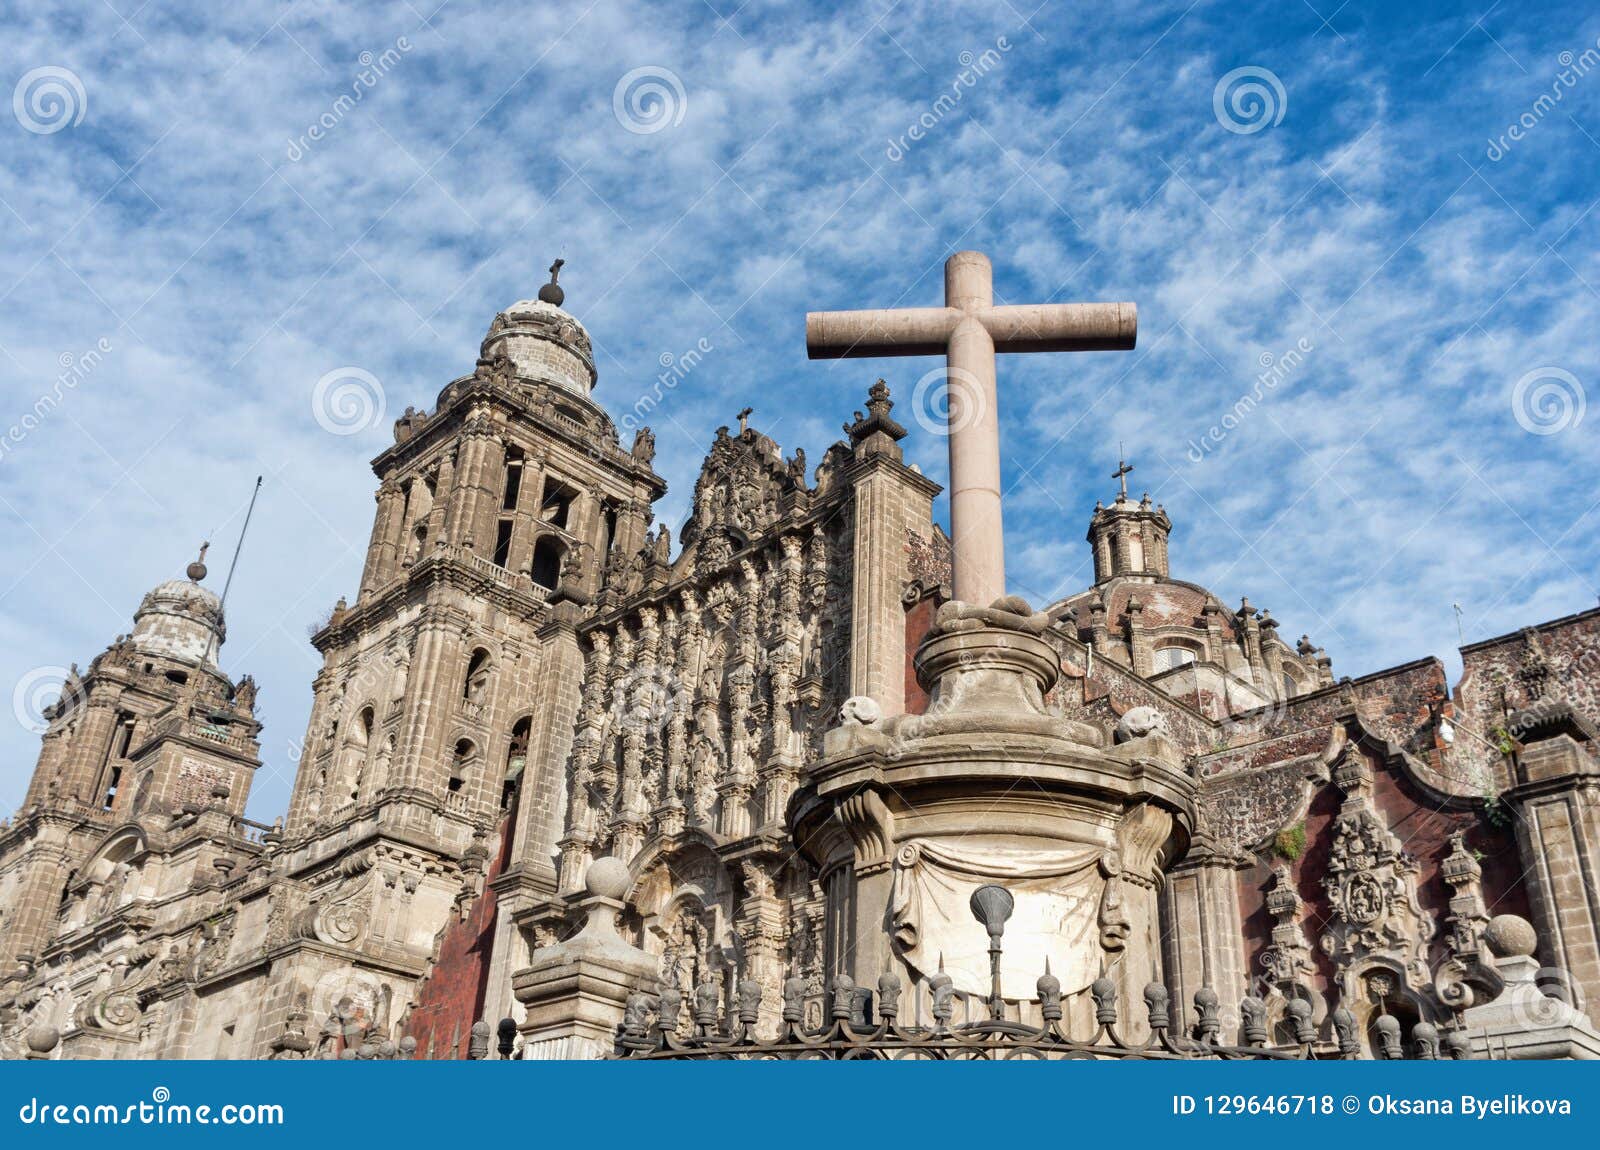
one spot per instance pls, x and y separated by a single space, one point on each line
239 546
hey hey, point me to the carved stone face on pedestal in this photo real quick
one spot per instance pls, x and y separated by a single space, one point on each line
907 817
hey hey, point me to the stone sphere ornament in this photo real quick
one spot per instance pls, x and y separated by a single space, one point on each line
608 878
1509 935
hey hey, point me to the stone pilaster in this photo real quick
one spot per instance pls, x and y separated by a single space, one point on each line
1556 801
1202 936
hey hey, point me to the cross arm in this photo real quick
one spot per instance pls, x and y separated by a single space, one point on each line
887 331
1062 326
1014 327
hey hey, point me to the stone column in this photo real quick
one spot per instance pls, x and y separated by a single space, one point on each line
575 992
34 901
889 500
469 456
542 806
415 769
386 528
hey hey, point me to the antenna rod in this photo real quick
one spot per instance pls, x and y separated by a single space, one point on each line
239 546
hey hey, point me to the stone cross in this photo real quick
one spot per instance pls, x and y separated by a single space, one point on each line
968 331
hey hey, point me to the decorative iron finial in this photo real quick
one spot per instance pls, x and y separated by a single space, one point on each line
197 570
551 292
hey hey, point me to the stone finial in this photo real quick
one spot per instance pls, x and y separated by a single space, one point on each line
42 1039
1104 993
196 571
1299 1014
888 995
478 1043
1253 1025
861 710
1049 988
1139 722
607 877
1425 1041
750 992
1388 1027
1344 1030
794 999
1205 1008
1155 1002
1510 936
506 1036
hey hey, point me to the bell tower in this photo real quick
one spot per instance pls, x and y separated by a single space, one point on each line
449 687
152 732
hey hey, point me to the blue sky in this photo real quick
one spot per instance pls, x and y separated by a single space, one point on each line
1356 205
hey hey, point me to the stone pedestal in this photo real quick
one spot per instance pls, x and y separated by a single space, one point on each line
575 991
907 816
1521 1021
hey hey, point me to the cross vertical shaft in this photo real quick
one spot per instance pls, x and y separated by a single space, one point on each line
968 331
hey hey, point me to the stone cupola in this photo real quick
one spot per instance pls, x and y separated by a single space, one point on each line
543 342
1129 539
181 620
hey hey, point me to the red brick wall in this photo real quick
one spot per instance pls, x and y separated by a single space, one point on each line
1425 832
452 995
919 617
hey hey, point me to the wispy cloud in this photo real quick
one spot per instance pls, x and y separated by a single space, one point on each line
232 262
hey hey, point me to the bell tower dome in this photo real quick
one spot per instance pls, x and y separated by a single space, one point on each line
543 342
1129 539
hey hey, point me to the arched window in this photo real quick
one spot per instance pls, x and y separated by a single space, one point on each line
141 796
516 761
1166 658
547 556
1290 687
476 687
460 764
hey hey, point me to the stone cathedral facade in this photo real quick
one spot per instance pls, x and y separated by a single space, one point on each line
802 756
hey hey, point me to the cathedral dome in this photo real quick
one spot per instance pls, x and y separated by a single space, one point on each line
182 620
543 341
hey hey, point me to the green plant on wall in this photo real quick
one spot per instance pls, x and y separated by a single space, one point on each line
1290 842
